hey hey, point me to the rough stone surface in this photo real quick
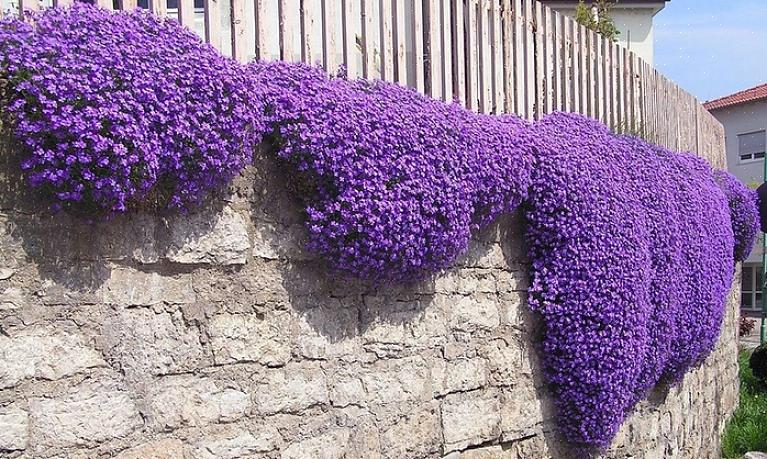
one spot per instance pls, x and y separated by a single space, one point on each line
14 427
90 413
214 335
210 238
43 353
169 448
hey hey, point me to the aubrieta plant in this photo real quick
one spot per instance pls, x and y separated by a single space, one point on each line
399 180
631 251
631 245
117 109
744 211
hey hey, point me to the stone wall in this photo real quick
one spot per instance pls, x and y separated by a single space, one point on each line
214 335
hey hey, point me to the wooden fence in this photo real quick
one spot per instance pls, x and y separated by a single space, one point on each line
493 56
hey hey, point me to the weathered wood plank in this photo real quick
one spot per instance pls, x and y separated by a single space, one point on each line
387 40
459 51
418 46
237 24
400 41
212 20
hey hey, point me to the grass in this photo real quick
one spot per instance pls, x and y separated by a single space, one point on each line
747 430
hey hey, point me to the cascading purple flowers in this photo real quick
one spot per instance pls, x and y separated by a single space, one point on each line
632 246
632 258
744 211
399 180
115 108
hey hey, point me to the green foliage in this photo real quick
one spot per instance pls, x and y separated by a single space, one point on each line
747 430
601 22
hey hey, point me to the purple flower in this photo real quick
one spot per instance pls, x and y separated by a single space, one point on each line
113 109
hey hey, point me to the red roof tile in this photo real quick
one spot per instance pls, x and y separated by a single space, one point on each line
749 95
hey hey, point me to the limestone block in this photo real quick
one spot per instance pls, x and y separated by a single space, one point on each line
398 380
43 353
146 343
237 443
14 427
331 445
179 401
522 411
458 375
11 298
470 418
169 448
470 313
90 413
251 337
291 389
218 238
417 434
130 287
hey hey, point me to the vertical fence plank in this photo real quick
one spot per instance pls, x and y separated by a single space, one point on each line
418 46
369 29
158 7
557 70
237 24
459 51
567 62
485 62
185 12
507 33
62 3
529 60
125 5
472 46
212 20
28 5
106 4
447 50
289 30
621 74
400 42
583 59
499 98
332 44
540 58
519 59
548 45
387 40
351 24
311 32
433 49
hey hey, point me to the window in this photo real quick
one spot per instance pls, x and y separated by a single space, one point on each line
751 288
751 146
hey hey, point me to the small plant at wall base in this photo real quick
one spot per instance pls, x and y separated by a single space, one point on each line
747 430
597 18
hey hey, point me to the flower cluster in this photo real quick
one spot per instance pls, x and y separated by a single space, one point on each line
113 109
398 180
743 210
631 249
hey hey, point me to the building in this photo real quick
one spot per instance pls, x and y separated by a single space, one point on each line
633 18
744 116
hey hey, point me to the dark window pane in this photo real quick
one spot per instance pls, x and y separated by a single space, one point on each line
759 282
758 302
759 155
746 301
747 279
745 157
753 142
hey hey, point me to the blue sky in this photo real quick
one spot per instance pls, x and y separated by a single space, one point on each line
712 47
